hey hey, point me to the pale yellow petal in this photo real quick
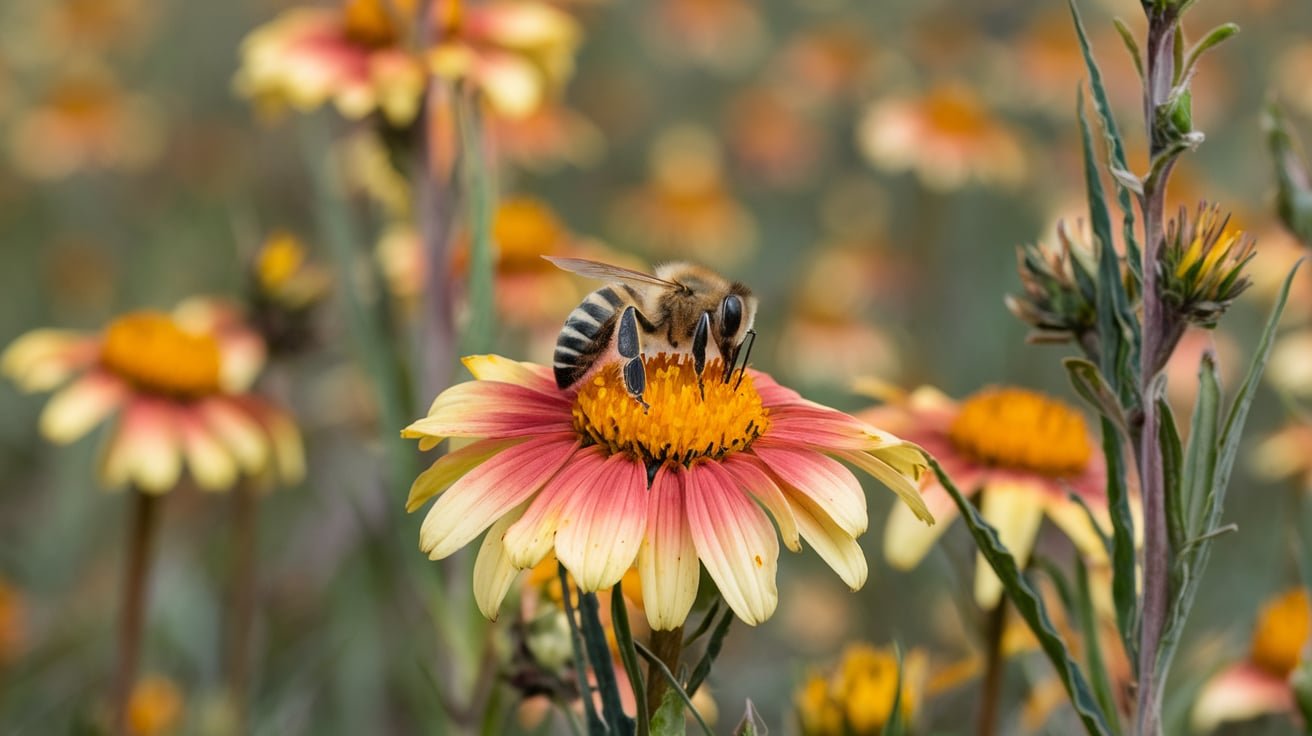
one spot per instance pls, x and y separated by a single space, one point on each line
493 573
77 409
907 539
1015 511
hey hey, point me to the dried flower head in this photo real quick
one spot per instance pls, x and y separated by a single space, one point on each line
1202 265
1060 289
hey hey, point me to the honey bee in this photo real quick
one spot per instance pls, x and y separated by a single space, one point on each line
683 308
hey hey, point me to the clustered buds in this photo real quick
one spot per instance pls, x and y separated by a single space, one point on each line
1202 264
1060 289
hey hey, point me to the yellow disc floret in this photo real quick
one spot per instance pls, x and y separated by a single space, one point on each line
150 351
681 424
1283 627
1022 430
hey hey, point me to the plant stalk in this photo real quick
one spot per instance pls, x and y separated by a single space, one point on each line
667 646
991 693
242 597
142 524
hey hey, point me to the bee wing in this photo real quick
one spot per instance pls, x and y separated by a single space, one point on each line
607 272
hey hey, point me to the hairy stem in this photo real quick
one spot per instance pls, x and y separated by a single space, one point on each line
141 542
667 646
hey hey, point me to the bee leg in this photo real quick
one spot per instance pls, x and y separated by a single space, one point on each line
628 343
749 339
699 338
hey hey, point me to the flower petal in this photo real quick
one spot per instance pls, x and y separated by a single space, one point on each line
42 359
489 491
906 538
530 539
77 409
836 547
505 370
242 434
903 486
833 487
1240 693
211 464
1015 511
734 540
145 448
600 533
450 467
753 477
492 409
493 573
1074 521
667 563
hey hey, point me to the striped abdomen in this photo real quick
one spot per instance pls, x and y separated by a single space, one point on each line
586 335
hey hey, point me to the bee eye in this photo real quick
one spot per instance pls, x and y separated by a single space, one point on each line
731 314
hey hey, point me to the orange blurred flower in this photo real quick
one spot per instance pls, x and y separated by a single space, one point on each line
947 137
155 707
1260 684
550 137
827 64
1024 452
686 209
85 120
13 623
772 138
723 35
181 385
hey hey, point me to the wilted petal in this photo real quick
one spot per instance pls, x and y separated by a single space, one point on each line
599 534
78 408
1015 511
734 540
530 539
489 491
831 486
667 562
493 573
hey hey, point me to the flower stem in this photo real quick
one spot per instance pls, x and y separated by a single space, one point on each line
241 611
141 541
667 646
991 695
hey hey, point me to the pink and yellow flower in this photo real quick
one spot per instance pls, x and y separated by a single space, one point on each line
354 56
948 137
181 386
590 474
1260 685
1023 451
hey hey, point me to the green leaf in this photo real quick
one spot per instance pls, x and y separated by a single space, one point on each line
896 725
1102 682
1124 571
1030 606
594 722
1127 37
1214 38
619 616
603 667
703 667
1090 384
478 337
668 719
676 691
1168 439
1115 147
1200 462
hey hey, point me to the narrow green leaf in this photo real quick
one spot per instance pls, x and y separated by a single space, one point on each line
1200 462
1124 570
594 722
1214 38
1127 37
1168 438
1093 658
1115 146
603 666
896 724
676 691
1030 606
478 337
619 616
713 646
1090 384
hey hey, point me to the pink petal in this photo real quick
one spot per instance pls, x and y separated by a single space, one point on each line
145 448
831 486
1240 693
667 563
489 491
450 467
600 531
492 409
734 540
530 539
824 430
753 477
496 368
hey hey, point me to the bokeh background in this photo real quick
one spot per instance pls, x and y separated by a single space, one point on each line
747 135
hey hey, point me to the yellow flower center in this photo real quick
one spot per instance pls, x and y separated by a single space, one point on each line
150 350
954 111
1022 430
1282 629
369 22
681 424
279 259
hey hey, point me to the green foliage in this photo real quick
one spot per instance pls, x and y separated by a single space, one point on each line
1031 607
668 720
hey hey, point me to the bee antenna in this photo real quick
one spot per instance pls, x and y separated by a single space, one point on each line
742 370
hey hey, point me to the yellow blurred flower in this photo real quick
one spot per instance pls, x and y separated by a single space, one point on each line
1024 452
947 137
686 209
85 120
353 55
284 274
181 383
155 707
1260 685
858 697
